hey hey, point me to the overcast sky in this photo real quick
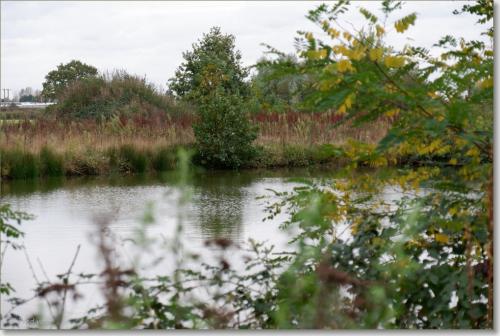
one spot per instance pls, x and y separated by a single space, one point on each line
148 38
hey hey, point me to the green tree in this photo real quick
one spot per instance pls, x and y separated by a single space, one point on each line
212 78
213 62
57 80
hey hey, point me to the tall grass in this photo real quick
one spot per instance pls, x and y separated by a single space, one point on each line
19 164
51 164
140 143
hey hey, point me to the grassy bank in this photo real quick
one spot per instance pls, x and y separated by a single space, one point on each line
128 159
51 147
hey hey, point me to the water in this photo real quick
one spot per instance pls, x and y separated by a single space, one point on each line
222 205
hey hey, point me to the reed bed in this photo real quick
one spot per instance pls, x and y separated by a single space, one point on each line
51 147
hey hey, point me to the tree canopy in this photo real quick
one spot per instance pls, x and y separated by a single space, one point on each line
213 62
57 80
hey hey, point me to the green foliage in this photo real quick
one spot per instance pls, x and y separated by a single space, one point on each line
51 164
212 63
58 80
224 135
128 159
361 259
274 88
19 164
112 95
8 234
213 79
164 159
403 262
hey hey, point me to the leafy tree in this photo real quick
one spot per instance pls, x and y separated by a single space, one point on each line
426 261
212 78
27 98
27 95
213 62
57 80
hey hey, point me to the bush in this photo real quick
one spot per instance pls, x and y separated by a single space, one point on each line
224 134
110 95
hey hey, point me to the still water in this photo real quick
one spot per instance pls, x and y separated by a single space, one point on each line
221 205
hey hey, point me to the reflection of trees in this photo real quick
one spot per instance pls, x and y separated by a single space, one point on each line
218 203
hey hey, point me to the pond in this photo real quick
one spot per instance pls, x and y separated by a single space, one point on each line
221 205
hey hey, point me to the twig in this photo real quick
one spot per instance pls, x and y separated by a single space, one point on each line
39 284
65 280
43 269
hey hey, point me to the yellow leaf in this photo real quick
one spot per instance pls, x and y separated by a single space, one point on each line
323 53
342 110
405 22
333 33
344 65
441 238
389 88
392 112
473 152
340 49
380 30
356 54
394 61
376 54
347 36
432 94
348 101
487 83
309 36
399 27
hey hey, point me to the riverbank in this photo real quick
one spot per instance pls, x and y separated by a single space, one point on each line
42 146
129 159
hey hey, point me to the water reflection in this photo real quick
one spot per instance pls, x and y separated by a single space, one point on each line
218 201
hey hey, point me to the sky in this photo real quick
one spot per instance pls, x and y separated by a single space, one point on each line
148 38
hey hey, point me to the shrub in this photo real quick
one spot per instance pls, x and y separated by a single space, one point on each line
110 95
224 134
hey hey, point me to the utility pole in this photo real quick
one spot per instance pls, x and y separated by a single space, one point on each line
6 95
